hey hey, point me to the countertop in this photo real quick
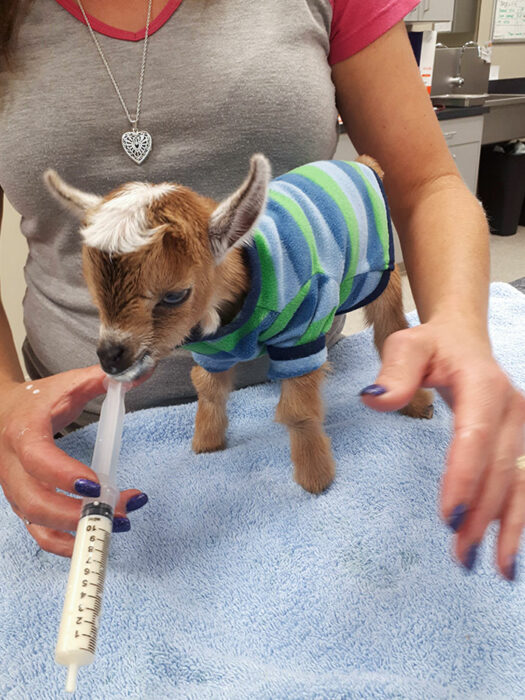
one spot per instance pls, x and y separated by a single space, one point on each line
460 112
449 113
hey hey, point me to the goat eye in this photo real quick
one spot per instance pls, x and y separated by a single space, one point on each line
175 298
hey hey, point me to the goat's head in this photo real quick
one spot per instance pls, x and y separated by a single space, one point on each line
151 258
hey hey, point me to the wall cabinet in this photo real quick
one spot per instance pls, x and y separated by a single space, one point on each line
413 16
432 11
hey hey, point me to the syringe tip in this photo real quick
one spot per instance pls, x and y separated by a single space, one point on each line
71 682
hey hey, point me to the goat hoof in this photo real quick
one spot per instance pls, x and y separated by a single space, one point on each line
421 405
201 445
315 481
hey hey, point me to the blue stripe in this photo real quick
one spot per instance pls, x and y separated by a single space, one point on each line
337 230
379 289
292 267
374 252
294 352
284 369
391 252
351 184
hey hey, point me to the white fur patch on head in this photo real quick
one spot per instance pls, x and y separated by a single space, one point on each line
120 224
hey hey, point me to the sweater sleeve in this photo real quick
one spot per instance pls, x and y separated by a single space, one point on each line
357 23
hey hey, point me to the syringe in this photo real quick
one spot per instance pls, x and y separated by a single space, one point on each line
77 636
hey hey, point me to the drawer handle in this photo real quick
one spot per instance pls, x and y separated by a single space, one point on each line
450 134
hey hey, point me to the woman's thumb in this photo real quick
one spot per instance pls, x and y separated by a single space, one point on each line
405 360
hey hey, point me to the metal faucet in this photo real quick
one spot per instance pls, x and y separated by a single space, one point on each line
458 80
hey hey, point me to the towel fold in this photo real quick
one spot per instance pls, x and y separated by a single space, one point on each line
235 583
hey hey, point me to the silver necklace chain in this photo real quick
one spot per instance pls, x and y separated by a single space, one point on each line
137 144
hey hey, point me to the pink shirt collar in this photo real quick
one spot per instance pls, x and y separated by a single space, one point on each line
73 8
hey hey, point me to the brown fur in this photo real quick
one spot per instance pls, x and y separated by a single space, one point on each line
127 289
301 409
211 420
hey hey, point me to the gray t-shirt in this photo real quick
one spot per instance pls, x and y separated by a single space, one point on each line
224 79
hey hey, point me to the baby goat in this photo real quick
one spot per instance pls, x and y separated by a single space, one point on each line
265 270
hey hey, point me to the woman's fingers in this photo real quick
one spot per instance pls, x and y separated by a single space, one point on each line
130 500
57 538
33 469
479 408
481 482
73 391
511 528
499 478
45 462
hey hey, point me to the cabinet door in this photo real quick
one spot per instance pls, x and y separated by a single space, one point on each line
437 11
467 160
415 15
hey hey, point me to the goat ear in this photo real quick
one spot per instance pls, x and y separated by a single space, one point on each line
75 200
235 217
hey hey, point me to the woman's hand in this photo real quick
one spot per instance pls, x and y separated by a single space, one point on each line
32 467
481 482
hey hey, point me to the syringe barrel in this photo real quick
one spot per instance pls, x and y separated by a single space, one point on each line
77 635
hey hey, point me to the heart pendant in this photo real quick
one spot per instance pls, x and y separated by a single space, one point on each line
137 145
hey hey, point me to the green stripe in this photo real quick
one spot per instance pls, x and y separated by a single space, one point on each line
302 222
286 314
380 214
269 295
318 328
227 343
332 189
268 298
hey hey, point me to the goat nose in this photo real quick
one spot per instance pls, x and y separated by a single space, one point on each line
113 358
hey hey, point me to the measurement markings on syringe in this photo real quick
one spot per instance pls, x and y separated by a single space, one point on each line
94 568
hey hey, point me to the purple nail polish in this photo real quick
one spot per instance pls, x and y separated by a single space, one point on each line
121 525
470 557
85 487
373 390
511 569
457 517
136 502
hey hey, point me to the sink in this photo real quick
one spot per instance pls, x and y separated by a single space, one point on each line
496 99
460 100
491 100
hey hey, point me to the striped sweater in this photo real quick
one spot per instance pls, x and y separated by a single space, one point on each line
323 246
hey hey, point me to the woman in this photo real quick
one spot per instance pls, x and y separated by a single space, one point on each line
221 81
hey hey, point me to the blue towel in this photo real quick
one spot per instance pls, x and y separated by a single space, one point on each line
235 583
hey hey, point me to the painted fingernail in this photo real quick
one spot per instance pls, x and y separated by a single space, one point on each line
121 525
470 557
457 517
511 569
136 502
373 390
85 487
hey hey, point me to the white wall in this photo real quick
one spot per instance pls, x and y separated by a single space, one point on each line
13 253
509 57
